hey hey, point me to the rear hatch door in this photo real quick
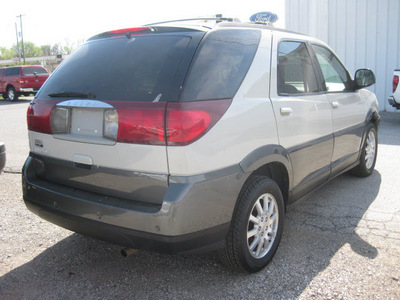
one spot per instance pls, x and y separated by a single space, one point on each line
98 122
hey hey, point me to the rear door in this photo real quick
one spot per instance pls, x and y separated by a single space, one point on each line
348 108
302 111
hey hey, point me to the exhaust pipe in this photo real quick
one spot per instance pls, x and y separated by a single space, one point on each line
128 251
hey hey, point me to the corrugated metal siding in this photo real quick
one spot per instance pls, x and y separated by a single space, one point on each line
364 34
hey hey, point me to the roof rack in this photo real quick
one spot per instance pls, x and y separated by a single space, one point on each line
217 19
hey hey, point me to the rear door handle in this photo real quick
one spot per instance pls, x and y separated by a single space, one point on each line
335 104
286 111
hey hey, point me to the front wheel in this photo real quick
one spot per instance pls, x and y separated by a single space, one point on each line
256 227
368 153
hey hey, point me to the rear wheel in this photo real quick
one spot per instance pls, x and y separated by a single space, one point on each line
368 154
12 94
256 227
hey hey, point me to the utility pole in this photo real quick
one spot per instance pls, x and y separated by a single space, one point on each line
16 32
22 39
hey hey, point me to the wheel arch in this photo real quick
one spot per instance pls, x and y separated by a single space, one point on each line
272 161
373 117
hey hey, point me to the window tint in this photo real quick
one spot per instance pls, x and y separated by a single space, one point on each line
11 71
335 75
31 71
295 71
221 64
141 68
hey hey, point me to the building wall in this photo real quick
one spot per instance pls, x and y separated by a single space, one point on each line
363 33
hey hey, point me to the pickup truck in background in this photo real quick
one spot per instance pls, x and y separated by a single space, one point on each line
21 80
395 99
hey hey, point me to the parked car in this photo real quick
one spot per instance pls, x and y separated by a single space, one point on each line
2 156
183 139
394 100
21 80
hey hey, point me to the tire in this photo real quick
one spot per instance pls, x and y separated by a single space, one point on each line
256 227
368 153
12 94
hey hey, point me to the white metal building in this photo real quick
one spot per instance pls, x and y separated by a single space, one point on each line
363 33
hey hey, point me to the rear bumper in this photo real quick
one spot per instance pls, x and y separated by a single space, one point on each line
392 102
194 215
29 89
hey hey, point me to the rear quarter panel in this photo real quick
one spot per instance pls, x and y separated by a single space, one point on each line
248 124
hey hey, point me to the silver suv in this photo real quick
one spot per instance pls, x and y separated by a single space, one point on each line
182 139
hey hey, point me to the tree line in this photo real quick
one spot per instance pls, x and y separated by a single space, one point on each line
31 50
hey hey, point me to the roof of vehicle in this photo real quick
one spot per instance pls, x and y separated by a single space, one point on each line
197 24
23 66
256 26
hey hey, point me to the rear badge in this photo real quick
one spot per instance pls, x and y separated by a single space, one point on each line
39 143
39 147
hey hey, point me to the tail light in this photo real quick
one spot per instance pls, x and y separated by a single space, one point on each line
172 124
123 32
59 120
188 121
38 116
140 123
395 82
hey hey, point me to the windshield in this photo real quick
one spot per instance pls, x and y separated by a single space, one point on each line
141 68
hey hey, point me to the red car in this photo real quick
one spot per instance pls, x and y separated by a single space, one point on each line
21 80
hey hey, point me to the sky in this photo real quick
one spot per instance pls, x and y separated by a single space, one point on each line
68 22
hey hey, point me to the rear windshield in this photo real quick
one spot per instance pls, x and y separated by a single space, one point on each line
221 64
27 71
141 68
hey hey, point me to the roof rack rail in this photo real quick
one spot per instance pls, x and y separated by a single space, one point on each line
217 19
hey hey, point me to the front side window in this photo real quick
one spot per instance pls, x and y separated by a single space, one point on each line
335 75
295 70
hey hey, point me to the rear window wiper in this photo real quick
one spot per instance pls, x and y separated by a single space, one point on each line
69 94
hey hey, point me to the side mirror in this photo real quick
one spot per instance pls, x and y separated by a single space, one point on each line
363 78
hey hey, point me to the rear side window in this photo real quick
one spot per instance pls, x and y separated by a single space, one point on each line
11 71
29 71
221 64
140 69
295 71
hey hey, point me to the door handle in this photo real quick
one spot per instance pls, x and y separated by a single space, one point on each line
335 104
286 111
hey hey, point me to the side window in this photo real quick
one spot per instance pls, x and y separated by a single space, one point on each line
335 75
11 72
295 70
220 65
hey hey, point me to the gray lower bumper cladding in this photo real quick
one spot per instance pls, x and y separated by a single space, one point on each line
194 215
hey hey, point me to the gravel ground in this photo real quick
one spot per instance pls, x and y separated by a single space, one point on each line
342 242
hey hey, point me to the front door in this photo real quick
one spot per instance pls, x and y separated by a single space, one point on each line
348 109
